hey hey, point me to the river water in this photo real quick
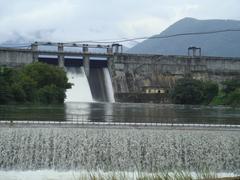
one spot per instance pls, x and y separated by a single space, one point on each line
46 153
122 112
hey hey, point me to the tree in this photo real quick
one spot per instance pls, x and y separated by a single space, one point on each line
233 98
231 85
34 83
5 80
5 92
188 91
45 74
47 83
229 94
210 90
18 92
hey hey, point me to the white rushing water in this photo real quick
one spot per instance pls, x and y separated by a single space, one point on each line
78 175
119 150
80 91
108 83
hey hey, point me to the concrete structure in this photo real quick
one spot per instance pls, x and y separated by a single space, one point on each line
16 57
34 48
194 51
132 73
61 55
86 60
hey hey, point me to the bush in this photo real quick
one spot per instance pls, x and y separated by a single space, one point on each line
187 91
18 92
229 95
231 85
210 90
233 98
5 89
219 99
191 91
48 94
5 93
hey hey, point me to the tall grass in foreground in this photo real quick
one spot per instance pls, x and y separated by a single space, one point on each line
148 176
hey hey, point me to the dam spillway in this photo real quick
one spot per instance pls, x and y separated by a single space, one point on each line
98 87
80 91
119 149
93 84
101 85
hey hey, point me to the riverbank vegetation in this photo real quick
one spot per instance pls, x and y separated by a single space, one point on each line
33 83
192 91
229 94
180 175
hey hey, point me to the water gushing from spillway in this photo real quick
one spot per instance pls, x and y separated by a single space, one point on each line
98 87
101 85
80 91
109 86
146 150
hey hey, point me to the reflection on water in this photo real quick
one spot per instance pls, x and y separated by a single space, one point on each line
123 112
29 112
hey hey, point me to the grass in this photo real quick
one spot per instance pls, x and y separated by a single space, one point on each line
154 176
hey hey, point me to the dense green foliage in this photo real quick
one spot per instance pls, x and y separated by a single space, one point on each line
210 90
33 83
192 91
229 95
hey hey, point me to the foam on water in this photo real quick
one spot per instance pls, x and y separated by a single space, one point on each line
38 175
80 91
119 149
73 175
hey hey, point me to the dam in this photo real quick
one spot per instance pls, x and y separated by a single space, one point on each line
112 74
119 137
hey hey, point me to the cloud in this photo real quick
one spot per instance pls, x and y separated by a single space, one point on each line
37 17
144 26
71 20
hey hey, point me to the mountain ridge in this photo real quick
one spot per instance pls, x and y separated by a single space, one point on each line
225 44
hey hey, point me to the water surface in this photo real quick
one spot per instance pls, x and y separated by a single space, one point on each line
122 112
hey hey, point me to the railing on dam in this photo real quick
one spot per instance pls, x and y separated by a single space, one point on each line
78 121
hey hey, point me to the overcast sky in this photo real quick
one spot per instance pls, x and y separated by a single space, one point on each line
73 20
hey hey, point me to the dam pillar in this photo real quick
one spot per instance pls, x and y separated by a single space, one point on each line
194 51
34 48
86 60
110 60
60 55
117 48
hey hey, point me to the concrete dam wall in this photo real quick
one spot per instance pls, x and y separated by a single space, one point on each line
15 57
146 76
140 77
131 73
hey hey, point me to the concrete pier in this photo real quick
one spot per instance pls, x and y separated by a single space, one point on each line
86 63
34 48
60 55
